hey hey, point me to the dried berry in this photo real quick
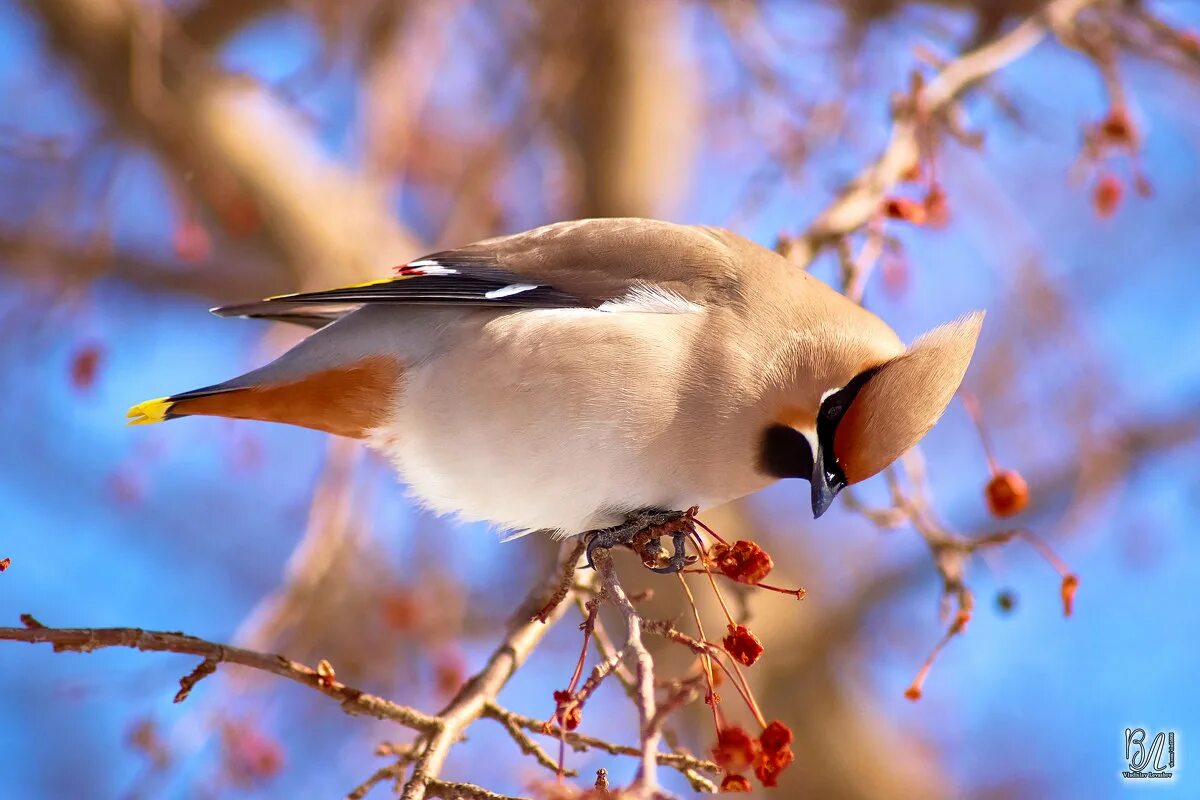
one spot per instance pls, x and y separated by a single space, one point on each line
191 242
85 365
449 673
769 765
743 561
902 208
1070 583
895 274
743 645
1118 128
402 610
1007 493
735 783
1107 195
568 712
736 750
937 210
249 754
775 737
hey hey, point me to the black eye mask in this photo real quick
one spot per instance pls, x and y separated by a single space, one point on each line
787 453
833 408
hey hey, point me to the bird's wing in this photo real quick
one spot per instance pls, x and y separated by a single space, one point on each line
612 264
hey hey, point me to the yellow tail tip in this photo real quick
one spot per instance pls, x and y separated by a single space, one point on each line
149 411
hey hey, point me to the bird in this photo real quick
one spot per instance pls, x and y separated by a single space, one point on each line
572 377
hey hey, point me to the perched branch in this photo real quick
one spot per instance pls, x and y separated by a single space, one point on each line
649 734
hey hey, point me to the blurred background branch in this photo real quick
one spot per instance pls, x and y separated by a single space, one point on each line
155 151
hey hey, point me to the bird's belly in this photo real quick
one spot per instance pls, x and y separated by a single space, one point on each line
568 486
522 426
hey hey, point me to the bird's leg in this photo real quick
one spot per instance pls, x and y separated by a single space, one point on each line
642 532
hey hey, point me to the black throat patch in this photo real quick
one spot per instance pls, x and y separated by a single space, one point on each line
786 453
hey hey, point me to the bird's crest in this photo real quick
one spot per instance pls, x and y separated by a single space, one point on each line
904 398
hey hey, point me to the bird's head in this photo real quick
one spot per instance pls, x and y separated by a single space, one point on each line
867 422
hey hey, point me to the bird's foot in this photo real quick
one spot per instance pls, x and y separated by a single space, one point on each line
642 533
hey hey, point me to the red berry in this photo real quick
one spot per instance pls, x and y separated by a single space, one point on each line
736 749
743 645
1007 494
1107 195
731 784
191 242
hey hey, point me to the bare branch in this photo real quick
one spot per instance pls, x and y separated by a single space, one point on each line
862 198
582 742
234 140
524 634
87 640
36 256
649 734
448 790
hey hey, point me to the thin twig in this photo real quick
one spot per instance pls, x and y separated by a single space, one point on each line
86 640
649 735
528 746
861 199
582 742
524 634
380 775
449 790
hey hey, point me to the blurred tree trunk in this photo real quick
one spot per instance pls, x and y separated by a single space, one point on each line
240 151
630 102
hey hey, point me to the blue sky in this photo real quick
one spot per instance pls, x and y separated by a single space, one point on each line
1027 694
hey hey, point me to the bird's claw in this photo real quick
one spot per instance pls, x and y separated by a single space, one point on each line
606 539
679 559
627 533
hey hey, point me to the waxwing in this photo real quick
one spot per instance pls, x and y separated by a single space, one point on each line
563 378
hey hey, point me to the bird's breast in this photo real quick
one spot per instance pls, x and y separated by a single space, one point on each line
566 419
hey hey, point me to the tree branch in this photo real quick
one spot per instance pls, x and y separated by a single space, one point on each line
87 640
648 733
861 199
239 142
581 742
472 701
37 257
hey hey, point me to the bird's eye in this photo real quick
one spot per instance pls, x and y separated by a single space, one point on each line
834 411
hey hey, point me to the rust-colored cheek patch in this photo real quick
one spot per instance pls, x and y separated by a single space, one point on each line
347 401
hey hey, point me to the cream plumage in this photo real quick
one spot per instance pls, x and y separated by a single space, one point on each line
568 376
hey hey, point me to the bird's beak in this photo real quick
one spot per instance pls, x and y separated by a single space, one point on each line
825 485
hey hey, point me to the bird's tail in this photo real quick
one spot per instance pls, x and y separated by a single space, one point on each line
150 411
347 400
